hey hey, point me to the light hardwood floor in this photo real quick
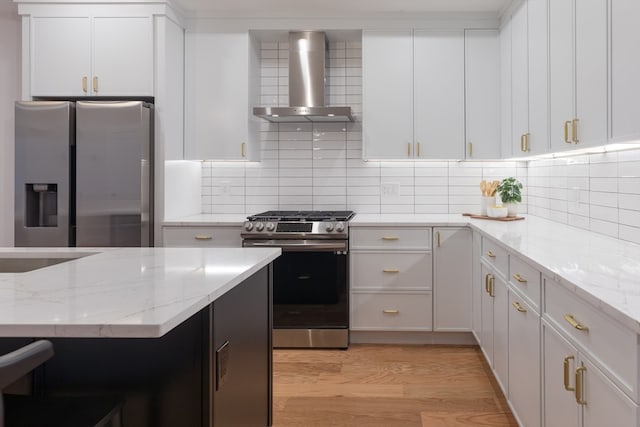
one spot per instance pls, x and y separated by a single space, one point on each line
387 386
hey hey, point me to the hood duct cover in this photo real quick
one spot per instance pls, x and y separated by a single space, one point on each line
308 60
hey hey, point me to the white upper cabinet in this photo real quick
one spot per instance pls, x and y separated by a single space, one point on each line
537 141
482 94
387 63
414 85
519 80
505 90
578 73
438 104
625 69
85 56
218 100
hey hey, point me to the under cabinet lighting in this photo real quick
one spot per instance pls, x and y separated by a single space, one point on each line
609 148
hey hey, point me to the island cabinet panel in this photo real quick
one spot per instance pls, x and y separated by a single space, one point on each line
213 369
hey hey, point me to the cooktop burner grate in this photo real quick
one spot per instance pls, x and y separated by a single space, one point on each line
302 216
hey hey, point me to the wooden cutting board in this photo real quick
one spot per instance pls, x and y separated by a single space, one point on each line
508 218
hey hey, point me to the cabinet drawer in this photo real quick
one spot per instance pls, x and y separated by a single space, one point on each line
391 311
526 279
391 270
610 343
390 238
494 255
214 237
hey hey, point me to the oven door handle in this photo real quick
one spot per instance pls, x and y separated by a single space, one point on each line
297 245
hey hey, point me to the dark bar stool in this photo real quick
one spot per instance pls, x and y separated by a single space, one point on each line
50 411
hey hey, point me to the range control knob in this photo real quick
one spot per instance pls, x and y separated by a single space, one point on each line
260 226
329 227
248 226
270 226
340 227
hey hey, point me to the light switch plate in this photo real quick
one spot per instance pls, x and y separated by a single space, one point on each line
390 189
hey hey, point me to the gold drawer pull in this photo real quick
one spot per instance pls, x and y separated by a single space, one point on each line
490 254
95 84
203 237
391 270
574 131
390 238
573 322
566 131
565 366
84 84
389 311
518 307
580 385
519 278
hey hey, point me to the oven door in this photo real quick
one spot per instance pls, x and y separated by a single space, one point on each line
310 288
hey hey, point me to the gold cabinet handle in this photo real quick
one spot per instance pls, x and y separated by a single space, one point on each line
202 237
390 238
580 385
574 131
488 284
84 84
518 307
492 285
565 367
524 142
490 254
470 150
573 322
519 278
95 84
390 270
390 311
408 149
243 150
566 131
438 238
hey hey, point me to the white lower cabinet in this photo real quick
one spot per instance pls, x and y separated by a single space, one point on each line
452 269
576 392
202 236
476 288
495 333
391 279
524 360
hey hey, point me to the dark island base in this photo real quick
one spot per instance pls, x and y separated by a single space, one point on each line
213 369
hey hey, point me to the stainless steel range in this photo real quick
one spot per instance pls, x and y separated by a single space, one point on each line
310 279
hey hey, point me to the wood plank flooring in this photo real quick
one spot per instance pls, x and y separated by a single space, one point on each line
387 386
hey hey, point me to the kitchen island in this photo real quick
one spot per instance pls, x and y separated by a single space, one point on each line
182 334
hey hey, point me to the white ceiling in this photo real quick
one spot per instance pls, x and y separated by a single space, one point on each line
335 8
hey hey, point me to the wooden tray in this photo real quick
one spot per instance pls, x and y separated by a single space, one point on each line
508 218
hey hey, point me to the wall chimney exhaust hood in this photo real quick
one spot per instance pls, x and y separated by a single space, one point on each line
308 58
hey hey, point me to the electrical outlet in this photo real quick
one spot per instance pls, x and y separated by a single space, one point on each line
226 187
389 189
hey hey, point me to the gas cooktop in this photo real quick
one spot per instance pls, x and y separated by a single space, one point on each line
302 216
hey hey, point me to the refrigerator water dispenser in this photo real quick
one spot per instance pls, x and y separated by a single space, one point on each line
42 205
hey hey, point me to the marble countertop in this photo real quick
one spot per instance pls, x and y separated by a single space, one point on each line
603 270
119 292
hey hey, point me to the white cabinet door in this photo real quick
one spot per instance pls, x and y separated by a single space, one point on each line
60 56
438 94
486 336
591 71
519 78
605 403
123 56
524 360
482 94
560 362
505 91
625 69
452 258
501 332
561 72
217 121
387 63
538 140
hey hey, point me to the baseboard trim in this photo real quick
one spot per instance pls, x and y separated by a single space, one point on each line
418 337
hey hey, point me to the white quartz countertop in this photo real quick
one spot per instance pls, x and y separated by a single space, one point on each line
603 270
211 220
119 292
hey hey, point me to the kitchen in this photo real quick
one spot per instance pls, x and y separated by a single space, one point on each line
596 192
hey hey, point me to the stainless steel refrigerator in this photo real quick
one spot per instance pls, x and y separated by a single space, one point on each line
83 173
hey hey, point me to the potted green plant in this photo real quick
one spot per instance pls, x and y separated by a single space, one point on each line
510 194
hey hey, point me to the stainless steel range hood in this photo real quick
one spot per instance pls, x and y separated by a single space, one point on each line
307 84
